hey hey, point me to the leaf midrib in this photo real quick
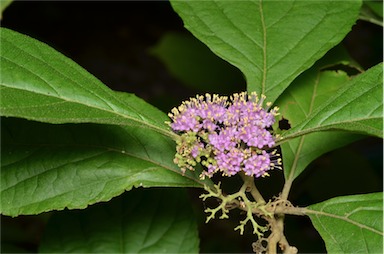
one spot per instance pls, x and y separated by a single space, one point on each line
328 127
115 113
264 28
106 150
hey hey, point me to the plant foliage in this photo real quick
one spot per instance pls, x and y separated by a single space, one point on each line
68 141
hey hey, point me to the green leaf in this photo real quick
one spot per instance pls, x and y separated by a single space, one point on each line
376 6
271 42
372 12
350 224
195 65
300 152
306 94
141 221
38 83
51 167
357 107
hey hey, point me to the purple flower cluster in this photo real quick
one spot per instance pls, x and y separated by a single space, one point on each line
226 135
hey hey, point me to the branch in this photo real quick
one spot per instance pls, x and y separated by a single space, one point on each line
249 181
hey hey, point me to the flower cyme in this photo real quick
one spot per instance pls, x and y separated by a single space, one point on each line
226 135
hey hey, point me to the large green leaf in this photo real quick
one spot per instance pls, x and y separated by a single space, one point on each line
357 107
350 224
38 83
49 167
271 42
141 221
306 94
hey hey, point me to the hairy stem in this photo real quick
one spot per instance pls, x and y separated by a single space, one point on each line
277 237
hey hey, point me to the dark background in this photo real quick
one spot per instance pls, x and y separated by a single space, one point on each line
112 39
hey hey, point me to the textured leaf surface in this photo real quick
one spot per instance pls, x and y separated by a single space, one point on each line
38 83
49 167
357 107
271 42
141 221
196 66
350 224
306 94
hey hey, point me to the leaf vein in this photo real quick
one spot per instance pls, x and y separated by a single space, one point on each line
343 218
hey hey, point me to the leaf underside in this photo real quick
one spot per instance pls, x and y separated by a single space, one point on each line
357 107
350 224
306 94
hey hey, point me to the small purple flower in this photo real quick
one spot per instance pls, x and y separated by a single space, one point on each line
225 140
257 164
230 162
209 125
256 136
212 111
185 123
